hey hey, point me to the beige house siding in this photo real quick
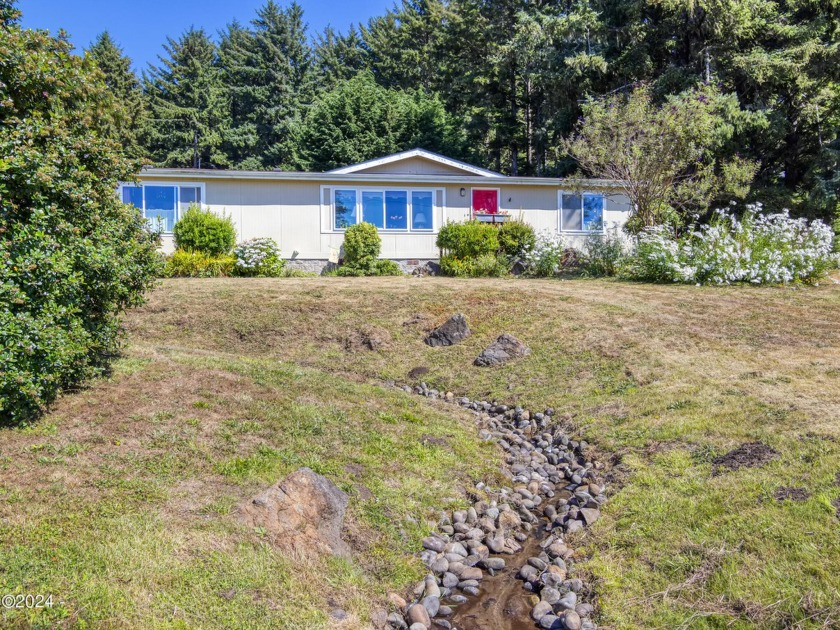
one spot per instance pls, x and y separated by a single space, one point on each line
413 166
297 213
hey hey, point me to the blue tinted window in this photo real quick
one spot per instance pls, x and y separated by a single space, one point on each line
133 195
373 208
160 206
421 211
345 208
396 209
593 212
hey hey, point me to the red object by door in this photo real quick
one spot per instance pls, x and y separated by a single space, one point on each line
485 201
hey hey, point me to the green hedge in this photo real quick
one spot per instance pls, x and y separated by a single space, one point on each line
204 231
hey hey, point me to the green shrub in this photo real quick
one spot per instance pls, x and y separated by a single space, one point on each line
387 268
184 264
836 227
258 258
361 247
72 257
516 239
468 240
485 265
604 255
203 231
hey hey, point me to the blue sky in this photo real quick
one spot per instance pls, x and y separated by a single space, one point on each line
141 27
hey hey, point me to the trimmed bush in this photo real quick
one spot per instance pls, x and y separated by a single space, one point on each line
387 268
204 231
468 240
184 264
485 265
361 248
516 239
258 257
759 249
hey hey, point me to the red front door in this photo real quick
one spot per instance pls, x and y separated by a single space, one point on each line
485 201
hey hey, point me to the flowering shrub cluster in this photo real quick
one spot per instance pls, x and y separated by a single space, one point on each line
259 257
756 248
546 257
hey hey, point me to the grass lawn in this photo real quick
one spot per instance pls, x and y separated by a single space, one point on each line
121 502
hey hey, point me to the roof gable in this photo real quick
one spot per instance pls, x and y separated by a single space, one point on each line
416 162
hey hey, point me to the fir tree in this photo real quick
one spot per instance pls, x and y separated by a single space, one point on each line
188 110
268 74
124 85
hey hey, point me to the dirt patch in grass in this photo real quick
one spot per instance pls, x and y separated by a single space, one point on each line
789 493
750 455
367 338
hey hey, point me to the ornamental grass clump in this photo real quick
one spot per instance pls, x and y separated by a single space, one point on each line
258 258
756 249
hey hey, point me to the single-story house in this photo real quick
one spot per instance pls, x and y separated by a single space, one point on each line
408 196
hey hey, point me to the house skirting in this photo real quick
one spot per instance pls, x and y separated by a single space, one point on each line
314 265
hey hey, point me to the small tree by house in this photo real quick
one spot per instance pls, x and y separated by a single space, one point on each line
665 157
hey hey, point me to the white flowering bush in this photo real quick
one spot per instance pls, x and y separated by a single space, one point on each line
547 255
757 248
259 257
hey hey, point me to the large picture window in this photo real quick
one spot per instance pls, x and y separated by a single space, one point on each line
581 212
162 204
398 210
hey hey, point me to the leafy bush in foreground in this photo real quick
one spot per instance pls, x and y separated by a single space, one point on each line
516 239
204 231
485 265
184 264
469 239
72 257
757 249
362 245
258 257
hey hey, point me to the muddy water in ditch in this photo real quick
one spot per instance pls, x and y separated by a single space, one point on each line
502 603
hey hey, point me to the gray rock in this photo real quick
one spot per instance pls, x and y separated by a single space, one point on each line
452 331
550 595
431 604
568 601
505 348
549 622
417 613
571 620
589 515
445 611
395 620
434 543
496 564
542 609
418 626
450 580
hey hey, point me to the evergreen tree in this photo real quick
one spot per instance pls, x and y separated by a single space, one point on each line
338 57
360 120
124 85
268 74
188 109
404 46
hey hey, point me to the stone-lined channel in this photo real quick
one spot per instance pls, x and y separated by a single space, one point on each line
504 563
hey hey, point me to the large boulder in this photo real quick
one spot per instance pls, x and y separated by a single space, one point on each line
505 348
305 512
453 330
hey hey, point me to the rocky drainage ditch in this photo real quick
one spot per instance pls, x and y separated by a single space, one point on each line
505 563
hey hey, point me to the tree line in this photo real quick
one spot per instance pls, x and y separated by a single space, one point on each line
500 83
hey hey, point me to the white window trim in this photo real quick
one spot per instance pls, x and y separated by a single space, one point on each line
176 184
498 199
383 189
560 194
